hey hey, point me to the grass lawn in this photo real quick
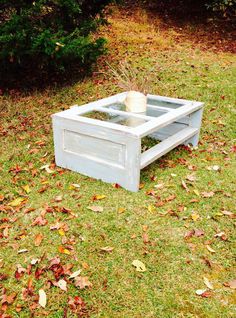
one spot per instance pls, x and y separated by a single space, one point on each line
173 225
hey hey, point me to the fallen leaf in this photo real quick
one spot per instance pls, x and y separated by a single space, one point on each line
231 284
82 282
58 198
98 197
207 194
198 233
151 208
221 235
229 213
24 250
61 232
121 210
196 192
184 186
62 284
145 238
34 261
26 188
46 168
42 298
17 201
107 249
210 249
199 292
203 293
159 186
208 283
214 168
63 250
195 216
38 239
95 208
75 274
140 267
39 221
191 177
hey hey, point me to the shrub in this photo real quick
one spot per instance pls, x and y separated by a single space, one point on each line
45 35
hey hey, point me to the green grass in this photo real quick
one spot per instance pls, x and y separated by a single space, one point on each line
175 266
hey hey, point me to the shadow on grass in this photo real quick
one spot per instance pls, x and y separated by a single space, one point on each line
191 20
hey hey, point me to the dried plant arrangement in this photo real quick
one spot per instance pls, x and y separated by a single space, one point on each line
129 79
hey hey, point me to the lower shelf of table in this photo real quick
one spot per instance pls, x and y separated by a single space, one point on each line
166 145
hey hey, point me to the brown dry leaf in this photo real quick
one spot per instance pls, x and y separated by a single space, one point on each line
207 194
184 186
82 282
231 284
95 208
38 239
145 238
42 298
39 221
107 249
229 213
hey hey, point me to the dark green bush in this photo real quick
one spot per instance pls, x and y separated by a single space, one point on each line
45 35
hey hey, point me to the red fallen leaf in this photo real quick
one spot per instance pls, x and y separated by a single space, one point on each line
82 282
15 169
233 148
116 186
76 305
19 271
54 261
204 293
3 276
39 221
38 272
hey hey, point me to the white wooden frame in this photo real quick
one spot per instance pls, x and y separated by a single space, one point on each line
112 152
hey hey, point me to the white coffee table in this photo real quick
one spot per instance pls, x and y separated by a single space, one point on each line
103 141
